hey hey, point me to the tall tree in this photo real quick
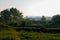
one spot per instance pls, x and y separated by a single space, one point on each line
5 14
43 20
11 15
28 21
16 14
56 19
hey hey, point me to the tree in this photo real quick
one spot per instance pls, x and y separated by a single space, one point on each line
11 15
16 14
56 19
28 21
5 14
43 20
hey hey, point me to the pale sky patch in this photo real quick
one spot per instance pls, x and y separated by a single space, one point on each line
33 7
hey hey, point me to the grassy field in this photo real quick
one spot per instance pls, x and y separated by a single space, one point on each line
10 34
39 36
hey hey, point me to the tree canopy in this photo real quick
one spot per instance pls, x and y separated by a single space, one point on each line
11 15
56 19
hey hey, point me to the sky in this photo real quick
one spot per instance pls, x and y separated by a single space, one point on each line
33 7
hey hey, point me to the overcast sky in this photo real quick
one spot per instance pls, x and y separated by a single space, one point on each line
33 7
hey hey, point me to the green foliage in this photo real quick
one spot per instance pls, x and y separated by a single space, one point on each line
56 19
11 15
5 14
17 16
38 36
11 34
8 34
43 18
28 22
3 25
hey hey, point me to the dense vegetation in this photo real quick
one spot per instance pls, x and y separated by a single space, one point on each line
14 17
10 34
13 26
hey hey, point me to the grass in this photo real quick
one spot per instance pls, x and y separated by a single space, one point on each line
39 36
10 34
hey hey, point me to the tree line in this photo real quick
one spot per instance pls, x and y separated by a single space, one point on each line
13 17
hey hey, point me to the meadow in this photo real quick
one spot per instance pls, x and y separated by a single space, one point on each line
12 34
